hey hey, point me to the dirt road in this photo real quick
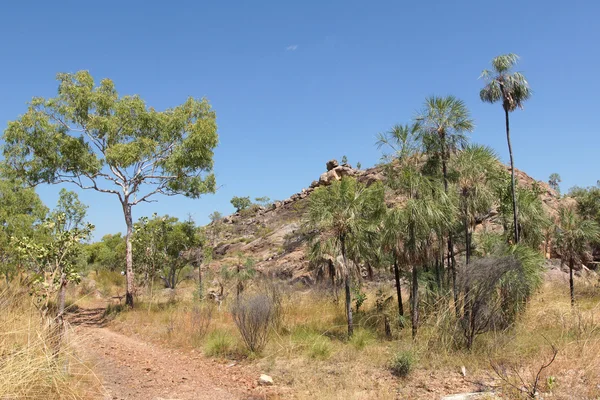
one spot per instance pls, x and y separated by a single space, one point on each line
131 368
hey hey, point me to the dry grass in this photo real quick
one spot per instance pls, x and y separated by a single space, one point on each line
309 355
28 367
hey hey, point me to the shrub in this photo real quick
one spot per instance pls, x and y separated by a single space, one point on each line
219 343
401 364
253 316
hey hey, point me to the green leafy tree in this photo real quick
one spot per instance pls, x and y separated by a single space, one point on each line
241 203
160 244
263 201
91 137
574 235
108 253
53 254
554 181
20 211
512 89
341 213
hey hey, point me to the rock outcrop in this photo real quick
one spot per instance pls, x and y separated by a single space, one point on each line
272 235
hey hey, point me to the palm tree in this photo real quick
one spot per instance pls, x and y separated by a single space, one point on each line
513 90
476 171
341 213
411 228
443 125
573 238
554 182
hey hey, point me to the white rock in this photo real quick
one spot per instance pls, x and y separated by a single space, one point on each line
265 380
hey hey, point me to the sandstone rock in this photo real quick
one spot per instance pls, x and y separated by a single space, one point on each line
265 380
331 164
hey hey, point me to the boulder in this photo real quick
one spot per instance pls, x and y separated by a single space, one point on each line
331 164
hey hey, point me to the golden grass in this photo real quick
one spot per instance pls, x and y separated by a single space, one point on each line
28 367
309 355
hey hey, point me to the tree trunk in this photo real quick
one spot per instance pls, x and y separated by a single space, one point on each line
571 284
60 316
512 179
467 241
451 260
347 288
129 255
398 290
414 302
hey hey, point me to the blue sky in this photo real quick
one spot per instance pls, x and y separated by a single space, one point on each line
295 84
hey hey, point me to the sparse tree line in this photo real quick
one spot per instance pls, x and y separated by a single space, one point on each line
419 226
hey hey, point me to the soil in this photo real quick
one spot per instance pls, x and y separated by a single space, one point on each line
132 369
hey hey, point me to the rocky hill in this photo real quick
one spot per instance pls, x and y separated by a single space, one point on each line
271 235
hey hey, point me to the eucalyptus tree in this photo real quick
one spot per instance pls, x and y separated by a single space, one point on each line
574 235
476 170
339 214
512 89
161 244
91 137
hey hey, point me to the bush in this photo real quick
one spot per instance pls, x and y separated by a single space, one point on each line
401 364
253 315
219 343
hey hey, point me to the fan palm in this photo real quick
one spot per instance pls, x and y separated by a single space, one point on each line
338 215
410 229
476 169
443 126
573 238
512 89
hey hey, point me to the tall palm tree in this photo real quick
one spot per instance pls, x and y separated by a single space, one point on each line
443 125
573 238
339 214
476 170
512 89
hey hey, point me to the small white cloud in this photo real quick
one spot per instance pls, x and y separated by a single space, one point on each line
292 47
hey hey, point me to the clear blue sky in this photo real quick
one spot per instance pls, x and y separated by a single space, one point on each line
297 83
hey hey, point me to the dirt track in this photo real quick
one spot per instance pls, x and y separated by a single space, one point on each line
131 368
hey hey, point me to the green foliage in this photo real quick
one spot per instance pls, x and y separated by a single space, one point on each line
263 201
52 254
219 343
241 203
160 244
215 216
89 133
574 235
511 88
554 182
344 160
588 201
402 363
362 338
359 297
108 253
20 211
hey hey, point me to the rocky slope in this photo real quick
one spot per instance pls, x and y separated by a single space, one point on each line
271 235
